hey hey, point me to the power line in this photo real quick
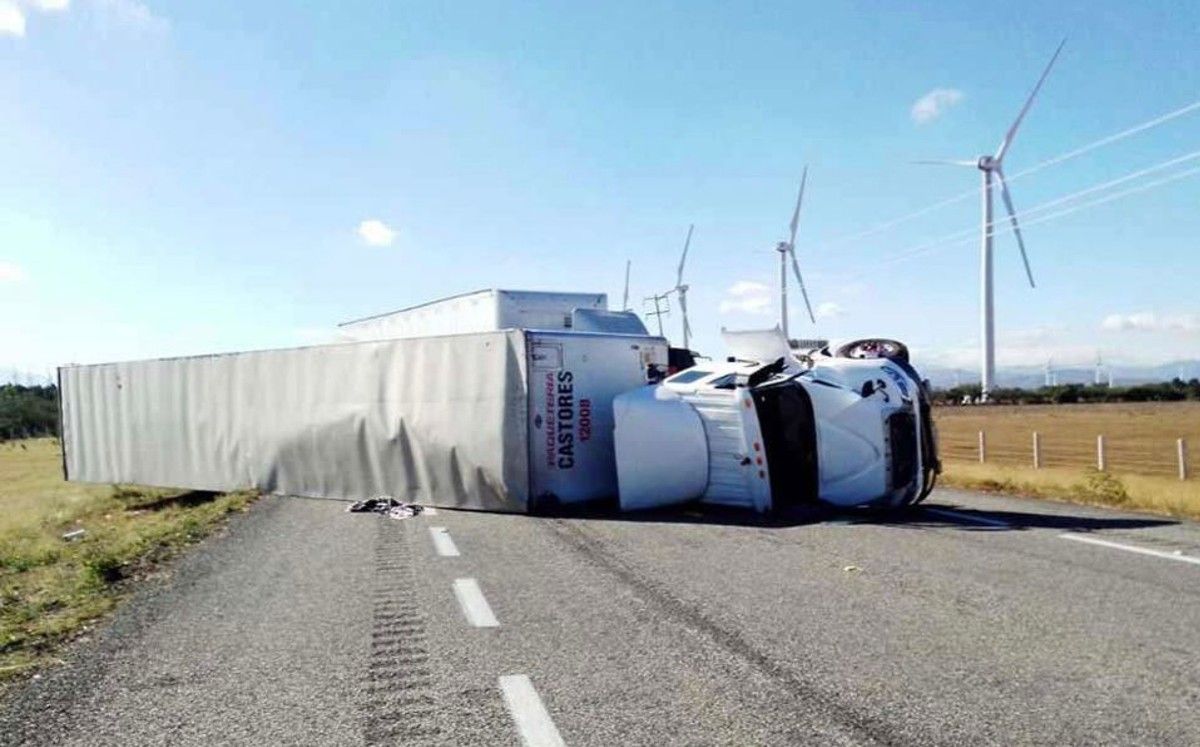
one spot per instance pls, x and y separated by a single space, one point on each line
999 228
1001 221
1054 161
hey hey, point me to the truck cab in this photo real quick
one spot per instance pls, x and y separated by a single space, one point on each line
846 430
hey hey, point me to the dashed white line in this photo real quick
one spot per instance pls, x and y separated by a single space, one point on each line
968 517
532 720
1163 554
442 542
429 510
474 606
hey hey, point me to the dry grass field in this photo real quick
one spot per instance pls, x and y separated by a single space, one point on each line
1140 452
52 588
1139 437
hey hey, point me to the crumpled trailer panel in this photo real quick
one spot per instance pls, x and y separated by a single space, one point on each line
438 420
447 421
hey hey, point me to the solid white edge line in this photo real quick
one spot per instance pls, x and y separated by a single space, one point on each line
443 543
1131 548
429 510
474 606
525 706
967 517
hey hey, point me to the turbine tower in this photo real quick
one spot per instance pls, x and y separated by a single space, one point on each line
787 249
991 169
681 289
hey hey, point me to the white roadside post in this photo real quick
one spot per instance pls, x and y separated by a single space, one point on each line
1181 453
982 448
1101 463
1037 450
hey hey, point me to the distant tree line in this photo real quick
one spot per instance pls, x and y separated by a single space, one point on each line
1175 390
28 411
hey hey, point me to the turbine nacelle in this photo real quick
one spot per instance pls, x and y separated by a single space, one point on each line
987 163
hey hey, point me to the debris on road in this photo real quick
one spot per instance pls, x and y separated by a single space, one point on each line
385 505
852 569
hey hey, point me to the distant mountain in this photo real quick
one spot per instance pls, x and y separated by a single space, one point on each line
1032 377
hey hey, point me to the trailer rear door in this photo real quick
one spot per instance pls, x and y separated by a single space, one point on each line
573 378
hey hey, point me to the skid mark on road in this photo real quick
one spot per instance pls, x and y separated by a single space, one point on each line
398 704
860 727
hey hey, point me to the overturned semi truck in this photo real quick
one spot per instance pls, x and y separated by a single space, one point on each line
768 429
503 419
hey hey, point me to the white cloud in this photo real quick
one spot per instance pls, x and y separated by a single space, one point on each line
49 5
747 296
10 273
12 19
12 13
130 14
1148 321
108 15
747 288
376 233
829 310
934 104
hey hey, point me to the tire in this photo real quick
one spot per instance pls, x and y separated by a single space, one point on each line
874 348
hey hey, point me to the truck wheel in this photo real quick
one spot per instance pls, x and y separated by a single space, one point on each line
874 348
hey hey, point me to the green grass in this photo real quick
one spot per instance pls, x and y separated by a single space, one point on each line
52 590
1160 495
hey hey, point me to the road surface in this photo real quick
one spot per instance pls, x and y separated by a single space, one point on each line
980 619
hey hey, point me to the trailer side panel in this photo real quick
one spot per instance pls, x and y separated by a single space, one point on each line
439 421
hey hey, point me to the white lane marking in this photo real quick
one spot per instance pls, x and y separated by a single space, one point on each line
429 510
473 604
442 542
1132 548
967 517
532 720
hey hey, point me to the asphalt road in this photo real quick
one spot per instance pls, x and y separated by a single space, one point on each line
307 625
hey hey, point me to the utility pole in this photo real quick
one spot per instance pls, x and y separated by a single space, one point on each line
660 309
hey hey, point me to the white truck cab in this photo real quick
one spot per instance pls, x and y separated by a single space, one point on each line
847 429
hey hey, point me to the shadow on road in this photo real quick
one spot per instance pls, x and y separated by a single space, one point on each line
694 513
992 521
188 499
932 516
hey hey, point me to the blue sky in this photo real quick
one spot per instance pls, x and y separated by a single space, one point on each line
181 177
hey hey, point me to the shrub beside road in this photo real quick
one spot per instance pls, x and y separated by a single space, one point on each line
52 589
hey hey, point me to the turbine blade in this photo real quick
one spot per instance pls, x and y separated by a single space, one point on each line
796 213
1012 131
946 162
687 242
800 282
1012 217
625 297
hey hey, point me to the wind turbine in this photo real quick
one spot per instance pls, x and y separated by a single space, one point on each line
991 167
681 289
787 249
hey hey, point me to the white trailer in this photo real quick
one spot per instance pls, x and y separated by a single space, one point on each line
501 420
478 311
